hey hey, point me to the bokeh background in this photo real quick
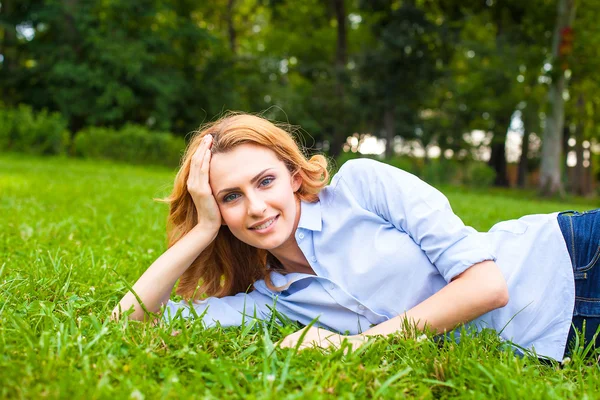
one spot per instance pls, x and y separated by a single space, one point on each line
475 92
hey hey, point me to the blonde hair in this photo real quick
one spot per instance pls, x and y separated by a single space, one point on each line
229 266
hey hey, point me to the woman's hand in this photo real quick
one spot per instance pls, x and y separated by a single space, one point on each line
319 337
209 216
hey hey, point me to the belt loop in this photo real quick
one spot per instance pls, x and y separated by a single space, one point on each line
574 258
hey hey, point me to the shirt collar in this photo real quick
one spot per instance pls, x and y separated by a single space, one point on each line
310 216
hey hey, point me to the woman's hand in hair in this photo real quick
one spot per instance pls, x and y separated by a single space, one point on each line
198 186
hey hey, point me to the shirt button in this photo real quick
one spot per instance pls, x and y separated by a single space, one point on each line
301 236
332 286
361 307
314 259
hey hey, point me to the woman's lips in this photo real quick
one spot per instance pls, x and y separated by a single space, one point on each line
267 229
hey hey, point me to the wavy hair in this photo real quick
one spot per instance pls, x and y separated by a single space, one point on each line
229 266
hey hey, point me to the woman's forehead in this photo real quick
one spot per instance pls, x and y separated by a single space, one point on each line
241 164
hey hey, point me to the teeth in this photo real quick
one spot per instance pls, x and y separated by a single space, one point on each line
265 225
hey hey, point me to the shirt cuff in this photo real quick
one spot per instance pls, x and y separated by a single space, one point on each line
470 250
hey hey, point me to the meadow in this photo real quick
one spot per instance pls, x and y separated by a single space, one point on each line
75 234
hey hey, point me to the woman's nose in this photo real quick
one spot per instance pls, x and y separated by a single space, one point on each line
256 205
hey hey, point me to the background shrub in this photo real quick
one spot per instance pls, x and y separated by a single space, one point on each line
436 171
346 156
22 130
439 171
408 164
479 174
132 144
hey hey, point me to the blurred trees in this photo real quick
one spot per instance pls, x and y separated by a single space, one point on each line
550 176
431 71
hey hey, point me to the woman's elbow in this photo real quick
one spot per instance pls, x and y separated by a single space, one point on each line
500 296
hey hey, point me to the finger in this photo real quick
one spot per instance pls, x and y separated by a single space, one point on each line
198 156
206 161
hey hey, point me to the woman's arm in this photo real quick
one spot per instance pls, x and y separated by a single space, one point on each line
478 290
155 285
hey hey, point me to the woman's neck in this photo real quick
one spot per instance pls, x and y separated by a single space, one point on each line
293 261
289 253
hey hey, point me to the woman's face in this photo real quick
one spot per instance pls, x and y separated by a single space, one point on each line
255 194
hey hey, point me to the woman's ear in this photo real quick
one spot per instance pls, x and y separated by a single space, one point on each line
296 181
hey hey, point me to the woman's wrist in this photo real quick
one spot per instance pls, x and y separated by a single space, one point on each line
204 233
360 338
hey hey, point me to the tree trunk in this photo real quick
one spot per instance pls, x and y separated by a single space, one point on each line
341 58
530 122
498 151
8 48
341 48
578 185
389 124
230 27
550 173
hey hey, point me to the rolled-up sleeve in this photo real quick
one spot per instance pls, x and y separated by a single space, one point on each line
226 311
420 210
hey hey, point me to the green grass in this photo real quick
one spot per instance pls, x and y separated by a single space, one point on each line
76 233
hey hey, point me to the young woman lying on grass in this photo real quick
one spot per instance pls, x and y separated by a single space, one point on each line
252 224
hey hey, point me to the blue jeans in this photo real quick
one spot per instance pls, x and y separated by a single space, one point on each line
582 236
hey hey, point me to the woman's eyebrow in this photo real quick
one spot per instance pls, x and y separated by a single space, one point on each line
253 180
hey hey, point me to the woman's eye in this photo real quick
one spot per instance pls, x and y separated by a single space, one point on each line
230 197
266 181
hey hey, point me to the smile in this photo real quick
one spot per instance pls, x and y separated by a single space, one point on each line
266 225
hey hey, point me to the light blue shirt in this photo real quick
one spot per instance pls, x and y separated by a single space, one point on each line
381 241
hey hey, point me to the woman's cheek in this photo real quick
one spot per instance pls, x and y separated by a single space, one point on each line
234 218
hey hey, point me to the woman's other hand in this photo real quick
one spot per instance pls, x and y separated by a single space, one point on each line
319 337
198 186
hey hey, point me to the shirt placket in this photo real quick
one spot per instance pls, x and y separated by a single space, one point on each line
343 298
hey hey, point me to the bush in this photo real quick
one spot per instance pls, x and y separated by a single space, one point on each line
408 164
23 130
479 174
440 171
437 171
132 144
347 156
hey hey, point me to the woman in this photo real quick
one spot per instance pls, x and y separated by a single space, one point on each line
253 227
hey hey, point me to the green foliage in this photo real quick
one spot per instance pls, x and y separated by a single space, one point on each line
437 171
429 71
132 144
479 174
23 130
408 164
77 232
440 171
347 156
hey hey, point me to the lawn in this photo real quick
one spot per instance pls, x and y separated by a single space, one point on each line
76 233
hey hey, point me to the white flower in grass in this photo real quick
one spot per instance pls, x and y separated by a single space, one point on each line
565 361
137 395
422 338
271 378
